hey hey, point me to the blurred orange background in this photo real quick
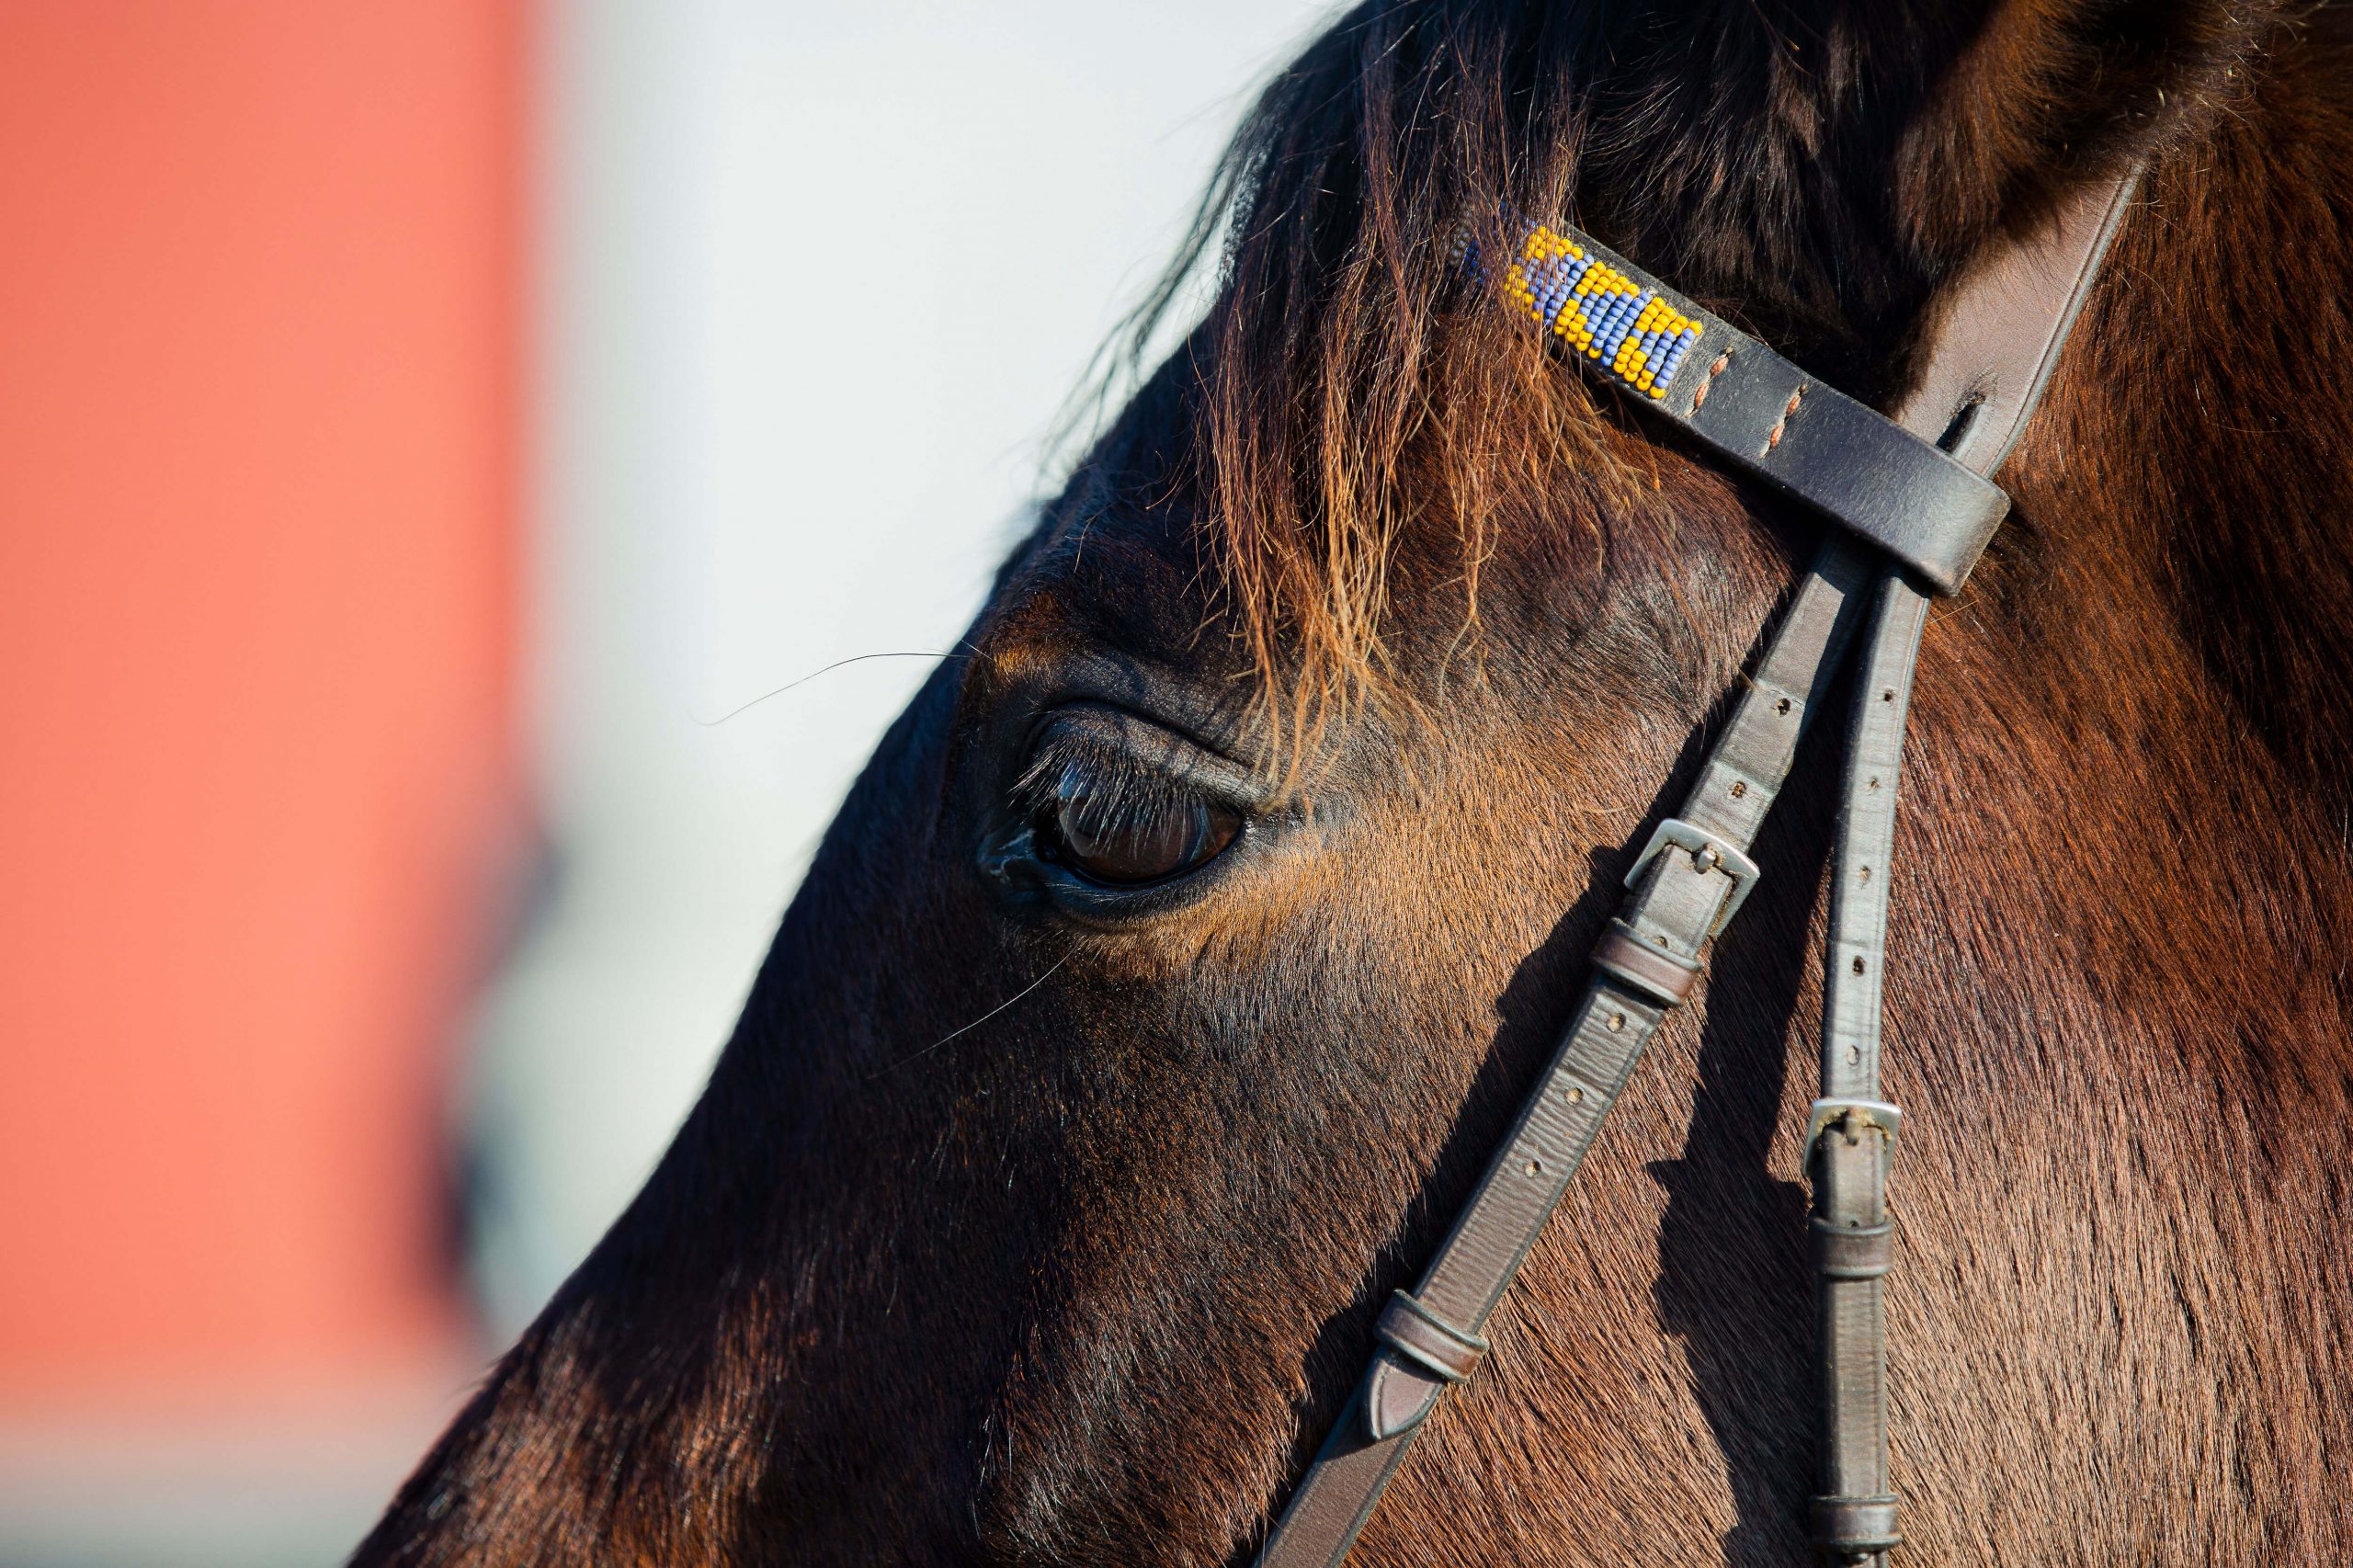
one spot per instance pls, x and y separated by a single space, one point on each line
259 497
259 350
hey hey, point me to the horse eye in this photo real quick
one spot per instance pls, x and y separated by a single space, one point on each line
1126 843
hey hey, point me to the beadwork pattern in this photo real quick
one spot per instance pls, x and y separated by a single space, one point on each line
1600 311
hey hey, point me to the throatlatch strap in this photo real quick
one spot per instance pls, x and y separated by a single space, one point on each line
1887 484
1993 358
1850 1137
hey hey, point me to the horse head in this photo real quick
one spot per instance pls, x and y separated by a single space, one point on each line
1172 970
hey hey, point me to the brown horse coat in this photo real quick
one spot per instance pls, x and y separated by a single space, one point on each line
1030 1220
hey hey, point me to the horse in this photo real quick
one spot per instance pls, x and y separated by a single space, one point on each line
1188 942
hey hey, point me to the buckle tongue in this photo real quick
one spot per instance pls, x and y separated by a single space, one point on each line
1712 849
1825 1114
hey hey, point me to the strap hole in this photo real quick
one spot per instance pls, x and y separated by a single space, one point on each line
1888 696
1576 1096
1535 1167
1854 1055
1865 876
1872 785
1859 966
1964 420
1782 706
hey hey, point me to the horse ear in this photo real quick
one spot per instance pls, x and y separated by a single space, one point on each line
2040 98
1825 168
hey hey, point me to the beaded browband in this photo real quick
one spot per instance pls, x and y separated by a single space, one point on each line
1625 325
1749 405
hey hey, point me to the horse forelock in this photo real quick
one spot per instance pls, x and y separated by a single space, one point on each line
1814 173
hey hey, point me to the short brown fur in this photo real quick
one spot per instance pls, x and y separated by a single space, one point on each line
1083 1284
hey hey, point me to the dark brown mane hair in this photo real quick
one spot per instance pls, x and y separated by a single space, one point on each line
1738 148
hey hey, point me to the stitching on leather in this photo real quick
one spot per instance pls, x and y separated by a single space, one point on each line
1773 437
1713 371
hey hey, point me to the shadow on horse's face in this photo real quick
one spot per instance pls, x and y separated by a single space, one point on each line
1121 1047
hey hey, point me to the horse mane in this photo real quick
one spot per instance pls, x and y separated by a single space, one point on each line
1729 146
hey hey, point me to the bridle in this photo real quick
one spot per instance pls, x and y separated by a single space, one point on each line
1916 511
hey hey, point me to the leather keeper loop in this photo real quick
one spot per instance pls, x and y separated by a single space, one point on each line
1855 1527
1623 955
1414 1331
1858 1252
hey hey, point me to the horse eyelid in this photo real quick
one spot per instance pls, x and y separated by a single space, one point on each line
1126 785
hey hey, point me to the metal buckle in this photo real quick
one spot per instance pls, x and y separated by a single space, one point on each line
1888 1118
1681 834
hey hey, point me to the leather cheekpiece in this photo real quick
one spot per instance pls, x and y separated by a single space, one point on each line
1884 482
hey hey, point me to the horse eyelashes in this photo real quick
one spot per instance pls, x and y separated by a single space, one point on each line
1094 811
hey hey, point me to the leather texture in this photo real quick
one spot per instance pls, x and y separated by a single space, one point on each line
2001 337
1667 976
1853 1238
1672 911
1994 355
1420 1334
1756 411
1927 518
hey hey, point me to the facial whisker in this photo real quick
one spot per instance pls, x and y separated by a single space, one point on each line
976 1023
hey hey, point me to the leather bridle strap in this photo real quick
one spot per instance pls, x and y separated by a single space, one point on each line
1993 357
1920 509
1646 963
